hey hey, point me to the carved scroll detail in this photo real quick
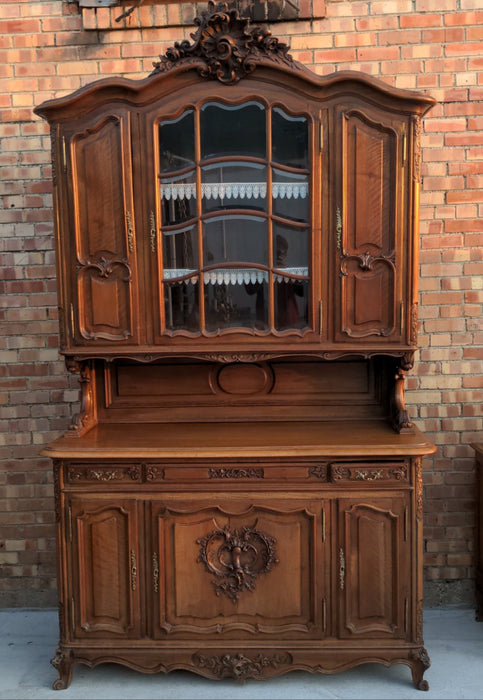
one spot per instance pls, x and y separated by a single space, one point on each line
419 488
86 419
237 557
399 414
320 471
225 47
416 121
240 666
133 473
223 473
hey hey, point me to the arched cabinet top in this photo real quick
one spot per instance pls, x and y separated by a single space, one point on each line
227 50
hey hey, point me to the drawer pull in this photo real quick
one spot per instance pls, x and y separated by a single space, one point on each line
155 572
134 571
341 569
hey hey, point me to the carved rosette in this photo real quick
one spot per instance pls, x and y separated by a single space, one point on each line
237 557
225 47
240 666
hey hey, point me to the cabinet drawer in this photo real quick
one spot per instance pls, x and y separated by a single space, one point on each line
92 473
350 472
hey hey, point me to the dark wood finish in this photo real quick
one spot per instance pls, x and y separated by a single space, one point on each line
241 492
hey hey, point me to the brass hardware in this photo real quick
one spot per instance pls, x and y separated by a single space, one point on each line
130 232
321 135
404 148
134 571
341 569
155 572
323 525
369 476
401 318
338 228
152 231
324 615
70 523
405 524
321 315
64 155
72 321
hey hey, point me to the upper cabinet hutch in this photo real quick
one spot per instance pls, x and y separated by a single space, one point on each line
241 493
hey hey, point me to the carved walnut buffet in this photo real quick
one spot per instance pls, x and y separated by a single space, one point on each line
241 494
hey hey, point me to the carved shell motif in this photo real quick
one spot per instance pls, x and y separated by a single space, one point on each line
225 47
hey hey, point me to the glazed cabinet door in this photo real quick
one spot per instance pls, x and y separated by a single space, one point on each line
231 221
101 294
370 225
373 577
237 569
105 574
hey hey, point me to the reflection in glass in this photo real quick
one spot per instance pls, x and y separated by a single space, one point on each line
291 308
233 130
181 302
234 185
290 193
232 239
180 252
178 198
236 305
290 247
177 142
290 142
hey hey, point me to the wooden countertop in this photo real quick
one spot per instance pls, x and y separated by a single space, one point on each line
254 439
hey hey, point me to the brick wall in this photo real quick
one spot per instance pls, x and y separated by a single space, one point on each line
434 45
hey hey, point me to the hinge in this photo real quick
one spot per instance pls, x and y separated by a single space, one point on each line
323 525
321 135
401 319
64 155
70 523
71 321
404 148
72 613
324 615
341 569
406 520
321 315
406 615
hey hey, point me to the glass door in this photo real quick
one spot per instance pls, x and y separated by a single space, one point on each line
234 188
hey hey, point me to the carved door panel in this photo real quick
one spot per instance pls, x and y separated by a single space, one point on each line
236 570
373 576
369 225
105 574
103 297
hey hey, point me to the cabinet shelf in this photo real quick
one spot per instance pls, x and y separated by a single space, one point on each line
240 275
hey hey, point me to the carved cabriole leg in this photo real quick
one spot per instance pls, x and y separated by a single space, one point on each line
62 662
419 664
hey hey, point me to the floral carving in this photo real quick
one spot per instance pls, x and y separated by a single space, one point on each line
240 666
320 472
237 557
225 47
223 473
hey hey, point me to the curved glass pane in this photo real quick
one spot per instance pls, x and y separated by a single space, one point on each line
177 142
178 198
291 303
290 192
180 252
238 305
290 248
233 130
181 305
290 139
235 239
234 185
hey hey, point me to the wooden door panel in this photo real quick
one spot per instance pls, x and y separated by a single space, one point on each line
237 573
369 225
105 563
105 280
374 560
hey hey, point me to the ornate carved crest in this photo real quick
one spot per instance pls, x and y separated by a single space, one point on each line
237 557
225 47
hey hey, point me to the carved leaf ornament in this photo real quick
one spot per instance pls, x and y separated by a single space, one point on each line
225 47
237 557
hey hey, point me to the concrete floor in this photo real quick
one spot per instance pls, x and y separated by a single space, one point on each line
453 639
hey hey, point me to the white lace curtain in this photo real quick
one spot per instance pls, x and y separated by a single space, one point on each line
234 190
241 275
